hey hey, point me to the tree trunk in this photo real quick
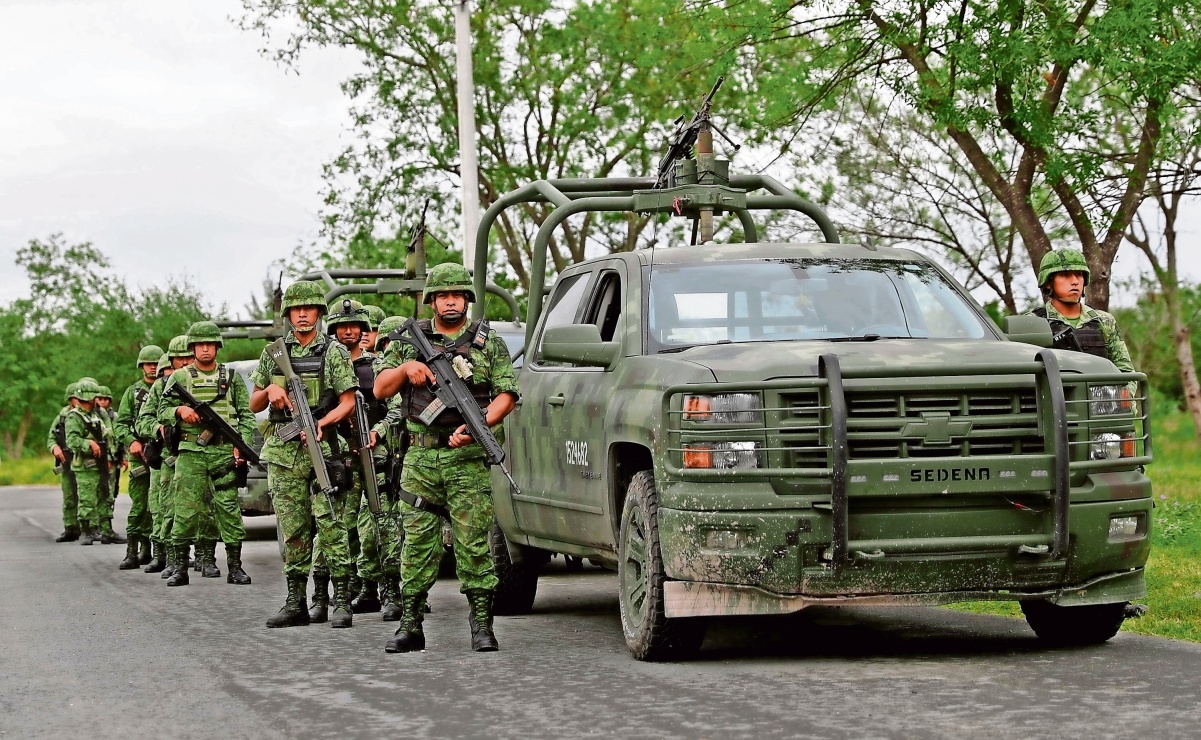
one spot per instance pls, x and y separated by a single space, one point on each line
22 432
1188 370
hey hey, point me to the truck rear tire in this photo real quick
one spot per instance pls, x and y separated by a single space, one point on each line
1074 625
649 634
518 581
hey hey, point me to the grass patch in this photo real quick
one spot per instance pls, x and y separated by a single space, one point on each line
28 471
1174 569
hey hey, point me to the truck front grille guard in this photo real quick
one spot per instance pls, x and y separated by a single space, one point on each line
1053 419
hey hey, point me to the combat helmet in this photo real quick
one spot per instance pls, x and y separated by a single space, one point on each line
375 315
304 293
349 312
386 327
448 276
204 331
105 392
164 362
71 389
149 353
1062 260
178 347
87 389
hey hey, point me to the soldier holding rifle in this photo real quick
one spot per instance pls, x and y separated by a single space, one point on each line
138 523
445 469
212 407
89 441
56 442
308 382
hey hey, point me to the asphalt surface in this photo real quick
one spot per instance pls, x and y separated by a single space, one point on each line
86 649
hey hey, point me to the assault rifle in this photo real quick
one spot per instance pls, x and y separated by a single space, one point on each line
452 392
215 427
683 139
360 440
60 439
302 419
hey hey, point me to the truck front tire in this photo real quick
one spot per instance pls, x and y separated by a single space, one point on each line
649 634
1064 626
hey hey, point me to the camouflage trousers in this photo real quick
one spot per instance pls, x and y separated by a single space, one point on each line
379 540
87 487
105 496
138 523
164 512
70 499
350 522
296 509
458 480
206 489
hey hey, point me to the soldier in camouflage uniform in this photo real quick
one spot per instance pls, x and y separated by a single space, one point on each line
380 555
206 469
116 458
444 466
1063 275
375 315
56 442
329 378
346 327
148 425
138 523
88 439
152 447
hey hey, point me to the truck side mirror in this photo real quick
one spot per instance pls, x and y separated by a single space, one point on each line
1029 329
579 344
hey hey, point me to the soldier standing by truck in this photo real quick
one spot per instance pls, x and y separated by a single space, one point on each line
444 470
1063 275
56 442
207 468
179 356
139 521
329 383
88 440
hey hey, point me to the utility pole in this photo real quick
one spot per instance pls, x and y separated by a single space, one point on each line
468 163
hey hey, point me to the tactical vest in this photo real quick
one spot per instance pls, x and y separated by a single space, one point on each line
366 377
419 397
139 397
212 389
311 370
1086 338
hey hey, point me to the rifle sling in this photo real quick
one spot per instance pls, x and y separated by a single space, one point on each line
417 502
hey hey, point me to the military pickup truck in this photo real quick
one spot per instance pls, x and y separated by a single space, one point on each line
753 429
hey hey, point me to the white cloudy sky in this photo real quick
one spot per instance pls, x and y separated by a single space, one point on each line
155 130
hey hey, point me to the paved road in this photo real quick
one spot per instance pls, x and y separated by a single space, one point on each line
88 649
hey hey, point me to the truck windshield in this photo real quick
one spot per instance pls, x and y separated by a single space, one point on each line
807 299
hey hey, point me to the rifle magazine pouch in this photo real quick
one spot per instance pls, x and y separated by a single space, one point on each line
205 438
138 471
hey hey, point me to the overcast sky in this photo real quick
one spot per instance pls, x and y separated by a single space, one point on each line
156 130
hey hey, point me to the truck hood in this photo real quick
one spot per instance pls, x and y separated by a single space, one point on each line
755 361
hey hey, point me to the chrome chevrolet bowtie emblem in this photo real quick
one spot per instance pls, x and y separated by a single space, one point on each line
936 428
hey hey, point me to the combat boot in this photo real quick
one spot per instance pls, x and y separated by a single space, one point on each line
172 565
295 612
479 616
159 561
70 534
85 534
409 635
206 557
342 616
144 556
391 598
180 576
131 555
110 537
319 611
233 560
197 562
367 599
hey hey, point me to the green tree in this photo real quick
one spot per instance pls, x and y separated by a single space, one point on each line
1085 93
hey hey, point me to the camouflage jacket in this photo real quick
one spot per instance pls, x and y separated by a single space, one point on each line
127 412
60 419
238 397
81 426
491 366
337 376
146 423
1116 348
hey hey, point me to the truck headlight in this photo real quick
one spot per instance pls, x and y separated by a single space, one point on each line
1107 446
1108 400
723 408
1125 527
721 455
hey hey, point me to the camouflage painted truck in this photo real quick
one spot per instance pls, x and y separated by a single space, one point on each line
753 429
